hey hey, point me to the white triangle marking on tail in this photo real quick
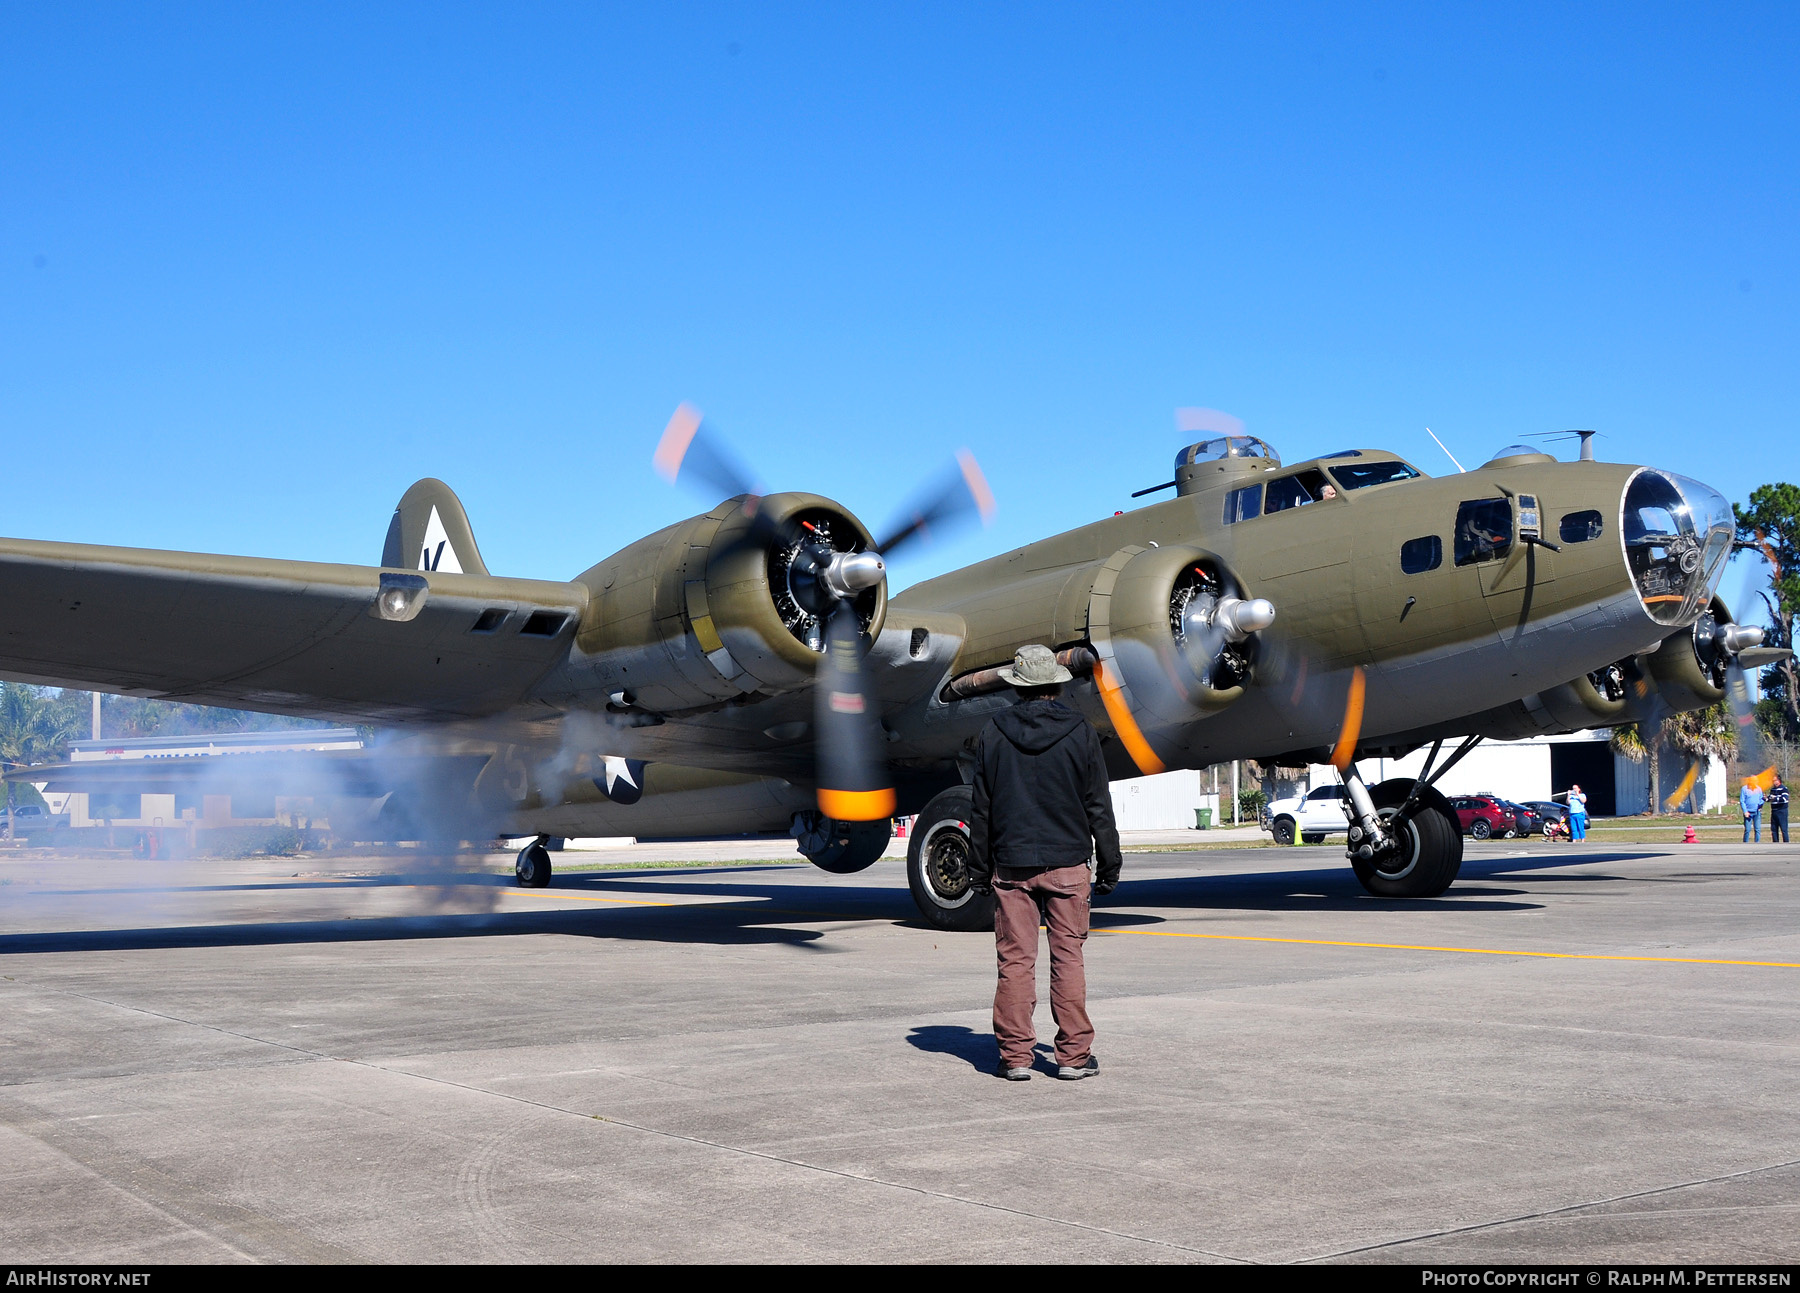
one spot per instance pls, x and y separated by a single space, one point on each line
437 552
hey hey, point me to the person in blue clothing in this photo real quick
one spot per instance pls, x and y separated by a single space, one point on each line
1778 806
1750 799
1577 812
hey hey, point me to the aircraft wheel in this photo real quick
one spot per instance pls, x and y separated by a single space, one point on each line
1479 828
532 870
844 848
1284 831
1430 846
937 864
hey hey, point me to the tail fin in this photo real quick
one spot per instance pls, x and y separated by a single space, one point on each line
430 531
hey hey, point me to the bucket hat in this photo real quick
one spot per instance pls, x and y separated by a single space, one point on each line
1035 666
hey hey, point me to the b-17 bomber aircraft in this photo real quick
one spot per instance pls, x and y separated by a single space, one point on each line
746 669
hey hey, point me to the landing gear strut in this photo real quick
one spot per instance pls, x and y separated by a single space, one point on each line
532 870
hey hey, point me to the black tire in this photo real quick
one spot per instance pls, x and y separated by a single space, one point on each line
1430 847
532 870
1283 831
855 846
937 859
1312 837
1479 829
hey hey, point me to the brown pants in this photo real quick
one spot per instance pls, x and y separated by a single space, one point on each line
1064 892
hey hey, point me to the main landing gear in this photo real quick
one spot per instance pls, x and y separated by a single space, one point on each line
937 864
532 870
1405 839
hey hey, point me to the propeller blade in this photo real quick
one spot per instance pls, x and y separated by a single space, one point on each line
1344 752
1737 682
852 775
1743 715
1687 784
1112 695
961 489
1762 657
1192 421
692 450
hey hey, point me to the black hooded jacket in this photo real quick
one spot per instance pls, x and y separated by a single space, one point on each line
1041 797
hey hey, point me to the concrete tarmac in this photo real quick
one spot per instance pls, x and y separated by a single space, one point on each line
1578 1054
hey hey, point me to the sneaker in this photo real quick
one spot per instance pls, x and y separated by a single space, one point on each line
1013 1075
1068 1074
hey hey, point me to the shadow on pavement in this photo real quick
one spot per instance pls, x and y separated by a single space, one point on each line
756 912
978 1049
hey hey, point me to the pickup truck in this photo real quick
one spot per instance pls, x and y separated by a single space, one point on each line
1310 817
31 817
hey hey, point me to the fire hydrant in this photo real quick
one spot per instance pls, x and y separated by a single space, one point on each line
1690 837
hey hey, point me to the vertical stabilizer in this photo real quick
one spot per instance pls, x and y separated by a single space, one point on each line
430 531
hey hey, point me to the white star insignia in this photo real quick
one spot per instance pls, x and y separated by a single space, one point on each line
617 770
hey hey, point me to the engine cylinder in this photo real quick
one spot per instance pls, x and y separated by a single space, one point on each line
723 605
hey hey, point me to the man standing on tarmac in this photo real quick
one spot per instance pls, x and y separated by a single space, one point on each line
1042 807
1778 806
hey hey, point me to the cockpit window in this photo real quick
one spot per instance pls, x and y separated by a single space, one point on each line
1298 490
1243 504
1360 475
1484 530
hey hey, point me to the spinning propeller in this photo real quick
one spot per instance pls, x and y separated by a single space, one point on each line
1739 647
824 583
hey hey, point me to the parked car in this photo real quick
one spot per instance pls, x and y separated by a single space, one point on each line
1310 817
1482 816
1526 821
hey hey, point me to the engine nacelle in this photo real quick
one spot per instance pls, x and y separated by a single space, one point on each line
720 606
1176 628
1690 667
1598 699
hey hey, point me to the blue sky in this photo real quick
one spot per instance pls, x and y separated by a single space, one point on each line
260 268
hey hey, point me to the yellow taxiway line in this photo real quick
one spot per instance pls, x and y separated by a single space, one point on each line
1467 951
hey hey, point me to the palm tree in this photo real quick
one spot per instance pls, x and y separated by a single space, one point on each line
1630 742
33 729
1704 734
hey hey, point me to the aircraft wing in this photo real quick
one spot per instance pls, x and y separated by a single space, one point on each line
289 637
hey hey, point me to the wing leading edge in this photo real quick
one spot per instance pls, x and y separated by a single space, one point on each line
290 637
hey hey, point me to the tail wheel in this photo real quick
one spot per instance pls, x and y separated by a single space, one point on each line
938 855
532 870
1430 852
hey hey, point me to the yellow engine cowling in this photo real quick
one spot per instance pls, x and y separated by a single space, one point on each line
711 609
